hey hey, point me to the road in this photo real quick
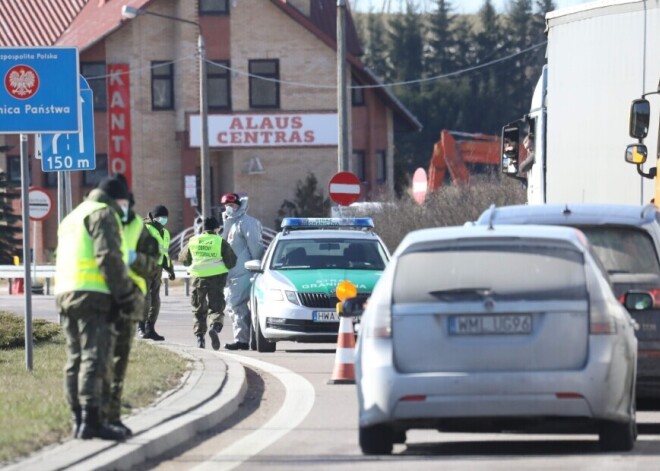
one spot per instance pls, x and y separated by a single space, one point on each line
293 418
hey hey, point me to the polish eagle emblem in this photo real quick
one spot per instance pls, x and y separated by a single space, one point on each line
22 82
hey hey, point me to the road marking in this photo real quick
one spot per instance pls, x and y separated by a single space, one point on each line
298 402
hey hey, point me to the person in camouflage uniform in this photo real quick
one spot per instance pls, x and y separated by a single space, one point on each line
209 257
143 258
155 224
92 288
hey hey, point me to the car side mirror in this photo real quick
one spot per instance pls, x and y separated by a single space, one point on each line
353 307
640 117
509 148
638 301
636 154
253 266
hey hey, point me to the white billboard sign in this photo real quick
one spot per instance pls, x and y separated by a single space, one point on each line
267 130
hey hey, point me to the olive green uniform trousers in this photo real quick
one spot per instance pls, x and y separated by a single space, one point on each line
208 302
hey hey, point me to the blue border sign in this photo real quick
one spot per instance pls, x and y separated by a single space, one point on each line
71 151
39 90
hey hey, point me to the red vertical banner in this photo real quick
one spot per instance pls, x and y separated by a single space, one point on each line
119 121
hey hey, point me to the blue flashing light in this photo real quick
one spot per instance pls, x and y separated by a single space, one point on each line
327 223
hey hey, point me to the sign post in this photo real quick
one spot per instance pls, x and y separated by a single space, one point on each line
39 93
344 188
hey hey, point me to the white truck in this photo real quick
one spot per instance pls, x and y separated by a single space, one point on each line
600 56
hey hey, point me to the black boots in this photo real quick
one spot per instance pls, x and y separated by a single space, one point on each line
140 329
200 341
91 427
76 416
237 346
213 333
118 424
150 332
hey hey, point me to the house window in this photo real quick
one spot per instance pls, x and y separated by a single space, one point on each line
213 7
14 169
264 93
95 73
381 166
93 177
357 94
218 85
50 179
162 86
360 162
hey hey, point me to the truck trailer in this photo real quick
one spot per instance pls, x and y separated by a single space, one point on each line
571 146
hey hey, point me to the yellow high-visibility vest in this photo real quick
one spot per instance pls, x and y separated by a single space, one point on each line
163 243
132 232
76 268
206 252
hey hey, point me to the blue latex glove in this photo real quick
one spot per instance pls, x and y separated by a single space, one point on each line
131 257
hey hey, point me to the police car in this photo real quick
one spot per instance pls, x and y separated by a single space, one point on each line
293 287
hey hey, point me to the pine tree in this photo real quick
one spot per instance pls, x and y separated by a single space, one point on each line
406 44
375 49
442 44
9 233
308 201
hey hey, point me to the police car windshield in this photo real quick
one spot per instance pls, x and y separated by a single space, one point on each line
356 254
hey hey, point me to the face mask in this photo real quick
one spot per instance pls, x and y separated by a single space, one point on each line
161 220
229 210
124 209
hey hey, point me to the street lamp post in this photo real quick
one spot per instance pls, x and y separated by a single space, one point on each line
342 151
205 165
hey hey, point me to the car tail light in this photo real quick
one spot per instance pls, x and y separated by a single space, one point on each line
601 322
379 326
414 397
568 395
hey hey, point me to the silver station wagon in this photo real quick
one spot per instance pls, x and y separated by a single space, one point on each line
483 329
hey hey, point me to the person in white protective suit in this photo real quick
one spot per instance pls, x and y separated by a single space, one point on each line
243 233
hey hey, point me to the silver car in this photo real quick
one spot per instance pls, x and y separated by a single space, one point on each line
484 329
626 239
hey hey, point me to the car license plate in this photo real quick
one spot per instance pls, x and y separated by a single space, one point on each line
325 316
506 324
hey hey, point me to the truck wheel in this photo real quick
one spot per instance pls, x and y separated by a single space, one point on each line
263 344
376 440
617 436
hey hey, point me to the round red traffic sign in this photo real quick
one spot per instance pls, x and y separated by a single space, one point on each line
39 204
344 188
419 185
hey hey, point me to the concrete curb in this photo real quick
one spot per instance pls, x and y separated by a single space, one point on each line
211 392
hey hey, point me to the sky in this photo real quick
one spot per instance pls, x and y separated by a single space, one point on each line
460 6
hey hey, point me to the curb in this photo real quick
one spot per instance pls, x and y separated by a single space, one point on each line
209 394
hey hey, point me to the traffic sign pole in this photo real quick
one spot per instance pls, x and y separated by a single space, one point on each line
25 177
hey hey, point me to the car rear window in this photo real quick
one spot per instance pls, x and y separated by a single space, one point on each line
501 272
324 253
623 249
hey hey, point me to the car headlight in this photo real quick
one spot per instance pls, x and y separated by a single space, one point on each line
291 296
276 295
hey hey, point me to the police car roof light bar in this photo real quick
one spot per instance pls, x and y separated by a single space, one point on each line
327 223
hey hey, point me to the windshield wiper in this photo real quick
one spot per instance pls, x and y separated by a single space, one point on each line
468 292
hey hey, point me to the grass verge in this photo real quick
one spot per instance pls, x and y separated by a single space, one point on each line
33 410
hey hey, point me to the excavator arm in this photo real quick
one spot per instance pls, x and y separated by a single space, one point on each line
455 150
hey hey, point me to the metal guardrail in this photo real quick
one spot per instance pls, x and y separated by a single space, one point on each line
47 272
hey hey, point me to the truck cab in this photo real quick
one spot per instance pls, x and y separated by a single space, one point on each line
523 145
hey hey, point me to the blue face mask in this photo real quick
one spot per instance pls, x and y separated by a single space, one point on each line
124 210
229 210
161 220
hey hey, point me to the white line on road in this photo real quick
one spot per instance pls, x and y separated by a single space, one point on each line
298 402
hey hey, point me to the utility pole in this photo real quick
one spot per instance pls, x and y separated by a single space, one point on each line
342 149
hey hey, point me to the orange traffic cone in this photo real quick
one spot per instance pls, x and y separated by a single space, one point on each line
344 371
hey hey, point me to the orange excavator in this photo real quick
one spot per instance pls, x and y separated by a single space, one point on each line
462 153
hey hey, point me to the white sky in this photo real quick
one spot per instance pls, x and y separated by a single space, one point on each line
459 6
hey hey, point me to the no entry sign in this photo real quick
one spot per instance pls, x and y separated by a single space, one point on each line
39 204
344 188
419 185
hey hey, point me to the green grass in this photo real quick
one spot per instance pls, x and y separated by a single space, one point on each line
33 410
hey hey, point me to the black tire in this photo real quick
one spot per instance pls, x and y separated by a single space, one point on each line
263 345
376 440
617 436
253 339
399 436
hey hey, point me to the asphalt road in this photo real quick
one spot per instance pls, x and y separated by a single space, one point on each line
293 419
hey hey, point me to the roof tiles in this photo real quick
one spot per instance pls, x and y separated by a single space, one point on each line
36 22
